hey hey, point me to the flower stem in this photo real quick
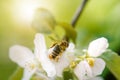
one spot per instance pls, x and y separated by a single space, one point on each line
78 13
76 16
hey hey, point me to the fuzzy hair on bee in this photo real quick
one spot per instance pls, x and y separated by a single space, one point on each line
57 49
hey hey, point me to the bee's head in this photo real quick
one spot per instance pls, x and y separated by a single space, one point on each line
64 43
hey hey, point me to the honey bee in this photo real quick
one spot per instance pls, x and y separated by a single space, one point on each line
57 49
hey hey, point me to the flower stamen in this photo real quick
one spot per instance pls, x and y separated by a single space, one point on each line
30 66
90 61
73 64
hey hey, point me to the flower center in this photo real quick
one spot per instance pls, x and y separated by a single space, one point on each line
30 66
73 64
90 61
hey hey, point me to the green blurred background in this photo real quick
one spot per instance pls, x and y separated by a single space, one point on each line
100 18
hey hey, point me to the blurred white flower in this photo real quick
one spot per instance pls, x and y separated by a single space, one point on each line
24 58
91 66
30 62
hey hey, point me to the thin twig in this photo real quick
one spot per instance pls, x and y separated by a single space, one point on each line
78 13
76 16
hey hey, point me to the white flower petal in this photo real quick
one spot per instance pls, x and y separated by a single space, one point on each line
42 76
47 65
28 74
22 56
61 64
87 69
41 54
98 67
83 70
80 70
70 48
70 52
40 45
97 47
71 56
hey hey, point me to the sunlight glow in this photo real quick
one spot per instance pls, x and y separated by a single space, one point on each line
24 10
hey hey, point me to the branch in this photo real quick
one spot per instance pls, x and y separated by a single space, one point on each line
78 13
76 16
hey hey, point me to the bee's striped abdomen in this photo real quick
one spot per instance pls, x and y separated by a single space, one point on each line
56 51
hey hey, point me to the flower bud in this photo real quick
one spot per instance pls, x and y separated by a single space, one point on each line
43 21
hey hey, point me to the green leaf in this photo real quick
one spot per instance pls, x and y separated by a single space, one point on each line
43 21
69 30
68 74
59 78
112 62
17 75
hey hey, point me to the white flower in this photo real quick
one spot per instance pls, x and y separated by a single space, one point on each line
62 63
24 58
91 66
30 62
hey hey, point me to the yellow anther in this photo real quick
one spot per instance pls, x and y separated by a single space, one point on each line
73 64
90 61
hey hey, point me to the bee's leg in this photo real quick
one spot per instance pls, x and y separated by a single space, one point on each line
60 54
50 56
57 58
